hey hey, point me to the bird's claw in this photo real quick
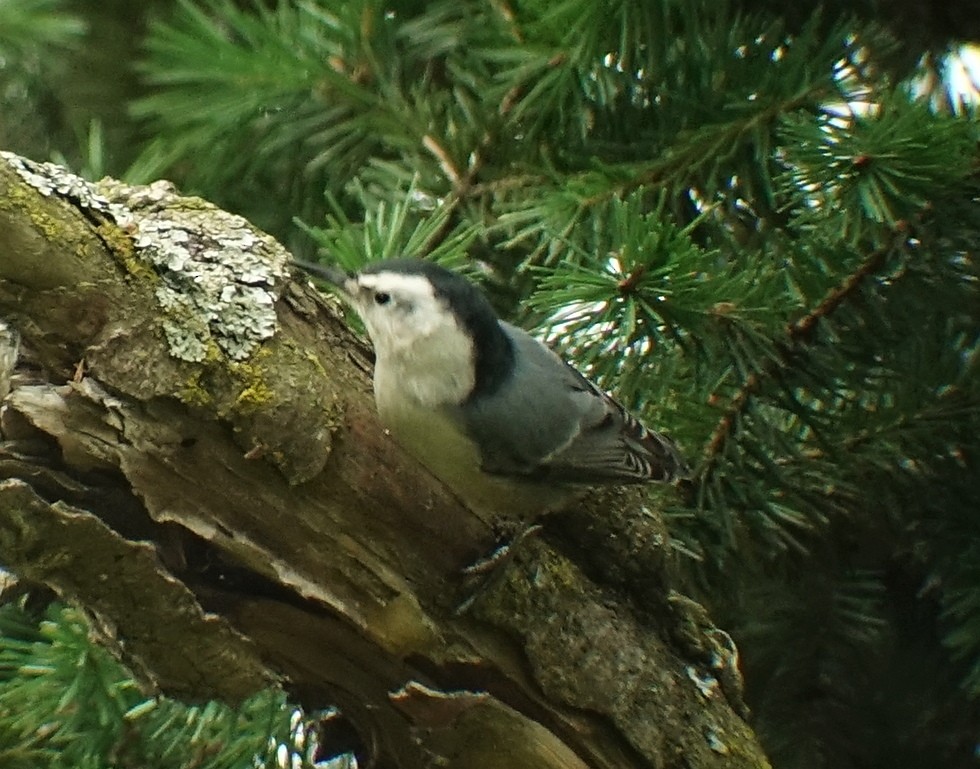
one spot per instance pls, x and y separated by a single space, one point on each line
491 566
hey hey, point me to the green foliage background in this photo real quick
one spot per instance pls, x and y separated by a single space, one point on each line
758 229
66 703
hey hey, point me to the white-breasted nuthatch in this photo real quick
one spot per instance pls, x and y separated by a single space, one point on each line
490 410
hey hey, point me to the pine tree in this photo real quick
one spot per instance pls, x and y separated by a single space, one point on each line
758 230
66 702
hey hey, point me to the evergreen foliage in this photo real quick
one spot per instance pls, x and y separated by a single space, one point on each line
34 34
66 702
751 228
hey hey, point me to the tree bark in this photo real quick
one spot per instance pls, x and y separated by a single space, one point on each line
190 452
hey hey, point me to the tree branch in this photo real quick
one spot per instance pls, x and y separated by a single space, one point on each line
290 538
798 334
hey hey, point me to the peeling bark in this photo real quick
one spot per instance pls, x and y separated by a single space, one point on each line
215 489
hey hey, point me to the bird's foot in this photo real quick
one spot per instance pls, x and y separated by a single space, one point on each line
489 568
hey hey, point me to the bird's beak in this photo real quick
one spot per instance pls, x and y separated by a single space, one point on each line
333 275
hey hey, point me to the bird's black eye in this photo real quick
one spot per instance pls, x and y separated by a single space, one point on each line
381 297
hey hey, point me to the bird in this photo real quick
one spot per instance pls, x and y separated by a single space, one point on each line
489 409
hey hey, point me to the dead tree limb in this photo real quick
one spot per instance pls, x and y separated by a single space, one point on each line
190 452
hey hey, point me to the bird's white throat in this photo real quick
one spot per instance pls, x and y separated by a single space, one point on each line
436 371
423 354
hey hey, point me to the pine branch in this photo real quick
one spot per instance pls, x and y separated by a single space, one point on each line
65 701
798 334
26 24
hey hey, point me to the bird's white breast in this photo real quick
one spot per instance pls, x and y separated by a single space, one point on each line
437 441
430 369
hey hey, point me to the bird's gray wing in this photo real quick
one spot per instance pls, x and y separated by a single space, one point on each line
551 422
611 444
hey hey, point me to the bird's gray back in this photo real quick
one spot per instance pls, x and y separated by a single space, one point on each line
534 413
549 421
